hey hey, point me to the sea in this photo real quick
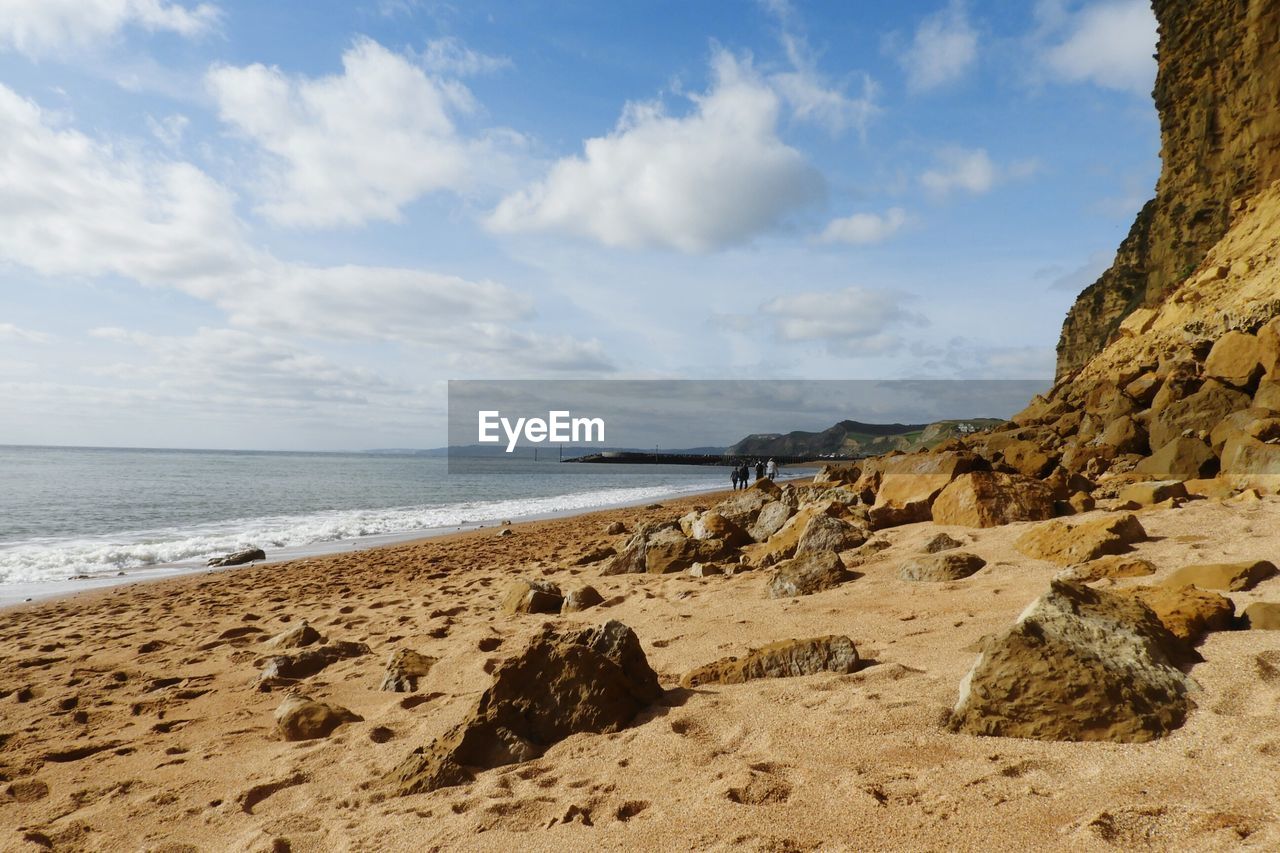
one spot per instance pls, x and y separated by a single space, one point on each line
77 518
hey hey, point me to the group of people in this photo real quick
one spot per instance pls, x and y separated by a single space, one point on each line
741 474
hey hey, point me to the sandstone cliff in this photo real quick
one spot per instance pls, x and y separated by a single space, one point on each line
1218 95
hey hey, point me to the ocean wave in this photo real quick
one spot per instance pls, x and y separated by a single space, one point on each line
43 560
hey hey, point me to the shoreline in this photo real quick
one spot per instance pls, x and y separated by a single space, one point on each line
27 592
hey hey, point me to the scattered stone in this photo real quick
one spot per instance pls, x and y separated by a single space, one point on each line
1262 616
1081 502
1078 665
238 558
1152 492
1066 544
302 718
807 574
581 598
992 498
947 566
595 555
941 542
1110 568
506 531
588 680
286 669
705 570
1235 577
532 596
404 669
828 533
784 659
297 637
615 528
1189 613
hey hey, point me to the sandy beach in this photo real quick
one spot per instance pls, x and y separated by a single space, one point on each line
131 719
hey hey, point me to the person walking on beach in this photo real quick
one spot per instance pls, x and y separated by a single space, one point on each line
772 469
734 477
744 475
759 470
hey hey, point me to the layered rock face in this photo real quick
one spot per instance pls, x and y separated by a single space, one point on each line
1218 95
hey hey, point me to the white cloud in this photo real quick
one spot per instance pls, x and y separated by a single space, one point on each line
448 55
944 47
170 130
855 317
351 147
10 332
1109 43
72 206
714 177
972 170
864 228
49 27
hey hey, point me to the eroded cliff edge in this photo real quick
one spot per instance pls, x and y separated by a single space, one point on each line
1218 95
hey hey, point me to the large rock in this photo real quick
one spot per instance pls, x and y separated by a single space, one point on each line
1198 413
837 475
828 533
404 669
782 545
1189 613
1067 544
660 547
1234 577
807 574
1182 458
1078 665
1028 458
532 596
1246 459
784 659
909 484
297 637
713 525
771 518
1152 492
1235 360
947 566
744 506
990 498
1125 434
302 718
588 680
1111 568
1261 616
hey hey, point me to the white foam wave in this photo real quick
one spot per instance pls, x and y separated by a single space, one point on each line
43 560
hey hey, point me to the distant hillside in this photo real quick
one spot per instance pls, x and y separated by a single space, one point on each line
849 439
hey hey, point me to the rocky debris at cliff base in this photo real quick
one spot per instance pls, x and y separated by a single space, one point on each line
946 566
993 498
783 659
404 669
807 574
300 717
1078 665
581 598
906 486
588 680
532 596
238 558
1234 577
1067 544
662 547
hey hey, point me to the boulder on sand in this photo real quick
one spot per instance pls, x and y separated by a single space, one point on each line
404 669
783 659
992 498
1235 577
1182 458
1152 492
947 566
1111 567
238 558
297 637
828 533
1261 616
772 517
587 680
532 596
581 598
302 718
285 669
1066 544
660 547
1188 612
807 574
909 484
941 542
1078 665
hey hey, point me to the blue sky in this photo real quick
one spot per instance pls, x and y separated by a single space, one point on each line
286 225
